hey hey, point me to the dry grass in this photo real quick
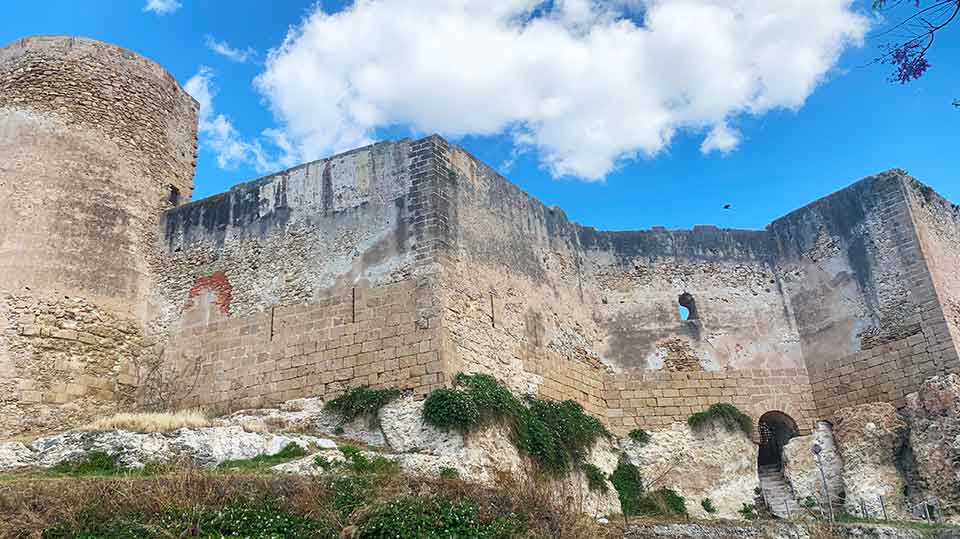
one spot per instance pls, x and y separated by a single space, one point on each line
150 422
27 507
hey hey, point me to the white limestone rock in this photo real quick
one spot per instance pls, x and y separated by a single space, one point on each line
405 431
800 468
709 463
307 466
868 438
305 415
206 447
14 455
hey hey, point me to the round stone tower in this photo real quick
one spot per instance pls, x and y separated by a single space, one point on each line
95 142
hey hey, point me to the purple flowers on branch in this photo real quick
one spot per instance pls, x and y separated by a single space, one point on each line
909 59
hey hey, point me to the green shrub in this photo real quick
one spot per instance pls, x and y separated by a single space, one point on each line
493 400
289 452
708 506
323 463
349 493
749 511
663 502
555 434
727 414
449 409
640 436
243 520
435 518
596 479
361 464
361 401
93 463
449 473
237 520
628 483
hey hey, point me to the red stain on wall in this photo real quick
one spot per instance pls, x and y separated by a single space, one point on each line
217 283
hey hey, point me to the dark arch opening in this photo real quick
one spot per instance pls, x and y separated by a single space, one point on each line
774 429
688 307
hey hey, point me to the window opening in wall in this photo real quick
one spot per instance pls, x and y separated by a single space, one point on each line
174 196
687 306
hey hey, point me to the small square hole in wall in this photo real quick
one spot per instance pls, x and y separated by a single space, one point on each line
174 196
687 306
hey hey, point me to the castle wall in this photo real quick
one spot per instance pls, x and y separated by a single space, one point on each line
569 312
305 282
937 224
92 138
861 292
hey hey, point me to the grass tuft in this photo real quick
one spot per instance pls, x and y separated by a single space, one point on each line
289 452
640 436
149 422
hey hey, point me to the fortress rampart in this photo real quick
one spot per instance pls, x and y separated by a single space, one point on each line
403 263
95 142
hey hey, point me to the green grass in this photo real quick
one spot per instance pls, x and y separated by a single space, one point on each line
262 462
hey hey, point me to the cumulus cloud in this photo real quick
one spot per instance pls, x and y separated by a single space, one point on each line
224 49
721 138
218 134
586 84
162 7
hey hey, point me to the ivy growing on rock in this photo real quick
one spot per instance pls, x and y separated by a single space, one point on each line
361 401
726 414
596 479
556 434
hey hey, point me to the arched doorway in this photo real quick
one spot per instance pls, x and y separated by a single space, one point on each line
775 429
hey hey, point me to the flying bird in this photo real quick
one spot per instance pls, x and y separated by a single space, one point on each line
726 206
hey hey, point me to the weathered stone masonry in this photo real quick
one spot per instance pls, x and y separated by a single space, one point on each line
94 141
403 263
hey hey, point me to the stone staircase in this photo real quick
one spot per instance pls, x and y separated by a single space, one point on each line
777 493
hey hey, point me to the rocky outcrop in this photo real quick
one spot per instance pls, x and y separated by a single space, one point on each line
933 414
801 471
481 456
869 438
708 463
304 415
206 447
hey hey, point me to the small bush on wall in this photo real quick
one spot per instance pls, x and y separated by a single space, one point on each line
726 414
556 434
361 401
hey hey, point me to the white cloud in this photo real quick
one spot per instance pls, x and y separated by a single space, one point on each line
218 134
721 138
585 83
162 7
224 49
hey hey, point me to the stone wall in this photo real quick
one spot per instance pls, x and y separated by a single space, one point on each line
937 225
303 283
655 399
867 312
93 140
569 312
367 336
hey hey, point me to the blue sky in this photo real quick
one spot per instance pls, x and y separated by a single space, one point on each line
852 124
